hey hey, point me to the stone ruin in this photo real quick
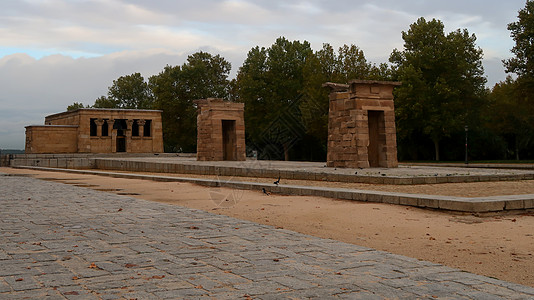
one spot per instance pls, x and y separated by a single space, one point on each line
220 130
361 125
97 130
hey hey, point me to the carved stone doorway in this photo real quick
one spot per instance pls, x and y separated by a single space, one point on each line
377 140
229 140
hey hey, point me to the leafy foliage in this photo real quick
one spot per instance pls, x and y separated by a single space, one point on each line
511 116
175 88
75 106
286 108
328 66
105 102
442 78
130 91
270 84
522 32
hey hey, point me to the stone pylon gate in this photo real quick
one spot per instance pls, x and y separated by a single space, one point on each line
220 130
361 125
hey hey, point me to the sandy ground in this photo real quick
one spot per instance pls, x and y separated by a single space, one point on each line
499 245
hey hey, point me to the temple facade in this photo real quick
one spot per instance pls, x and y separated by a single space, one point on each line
96 130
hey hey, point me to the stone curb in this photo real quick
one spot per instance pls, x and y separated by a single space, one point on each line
86 161
158 167
463 204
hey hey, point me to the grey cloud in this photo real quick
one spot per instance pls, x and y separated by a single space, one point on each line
32 89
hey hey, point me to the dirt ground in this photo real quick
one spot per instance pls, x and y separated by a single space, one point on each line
499 245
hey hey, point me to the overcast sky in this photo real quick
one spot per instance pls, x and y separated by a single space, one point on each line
55 52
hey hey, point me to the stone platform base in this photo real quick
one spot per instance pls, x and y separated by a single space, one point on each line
463 204
316 171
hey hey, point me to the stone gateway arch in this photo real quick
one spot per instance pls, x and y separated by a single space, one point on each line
361 125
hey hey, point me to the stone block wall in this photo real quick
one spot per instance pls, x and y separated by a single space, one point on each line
220 130
361 125
91 133
51 139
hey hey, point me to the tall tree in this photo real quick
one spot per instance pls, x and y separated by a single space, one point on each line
510 116
326 65
205 75
105 102
270 84
443 80
75 105
522 32
176 87
512 99
130 91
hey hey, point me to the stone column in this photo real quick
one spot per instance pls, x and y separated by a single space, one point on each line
129 124
110 126
99 123
141 123
113 135
110 134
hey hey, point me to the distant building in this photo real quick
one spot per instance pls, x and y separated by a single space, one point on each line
96 130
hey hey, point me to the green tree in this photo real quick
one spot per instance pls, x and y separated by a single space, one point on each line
326 65
443 81
286 107
105 102
512 99
205 75
176 87
270 83
511 116
522 32
75 106
130 91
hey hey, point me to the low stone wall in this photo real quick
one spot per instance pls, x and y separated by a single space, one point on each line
4 160
69 161
240 171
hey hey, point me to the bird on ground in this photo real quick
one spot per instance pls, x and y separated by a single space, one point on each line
265 192
278 181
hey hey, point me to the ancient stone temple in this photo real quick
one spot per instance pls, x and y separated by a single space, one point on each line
95 130
361 125
220 130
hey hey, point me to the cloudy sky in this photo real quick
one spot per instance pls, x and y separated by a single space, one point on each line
55 52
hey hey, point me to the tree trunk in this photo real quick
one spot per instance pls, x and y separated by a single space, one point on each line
436 148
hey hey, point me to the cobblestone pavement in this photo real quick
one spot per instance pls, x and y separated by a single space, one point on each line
58 241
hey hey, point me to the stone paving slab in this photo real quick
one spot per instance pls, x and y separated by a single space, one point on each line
64 242
463 204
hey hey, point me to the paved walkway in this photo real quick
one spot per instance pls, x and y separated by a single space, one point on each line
58 241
